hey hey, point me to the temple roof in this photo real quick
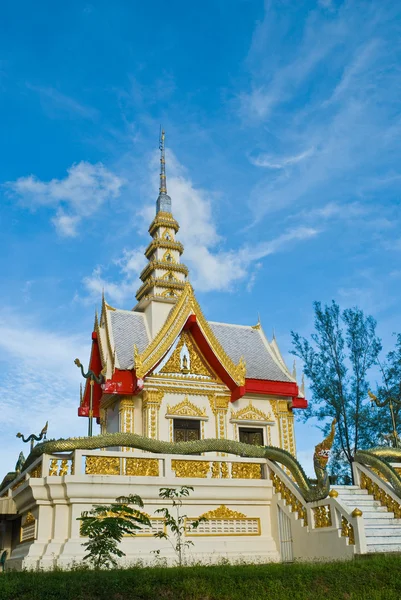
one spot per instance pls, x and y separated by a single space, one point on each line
128 328
250 342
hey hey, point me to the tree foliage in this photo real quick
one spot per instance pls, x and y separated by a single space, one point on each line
105 527
390 387
337 360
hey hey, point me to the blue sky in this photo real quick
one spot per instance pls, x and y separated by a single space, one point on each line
283 127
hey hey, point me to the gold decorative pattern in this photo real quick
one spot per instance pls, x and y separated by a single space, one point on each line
126 417
102 465
197 365
347 530
103 421
381 495
28 529
37 471
53 468
246 471
163 341
322 516
250 413
17 485
222 512
158 282
219 406
142 467
289 498
190 468
63 467
220 470
222 522
166 265
186 409
151 402
163 219
160 243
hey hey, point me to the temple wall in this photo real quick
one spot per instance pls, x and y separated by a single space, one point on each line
152 414
241 529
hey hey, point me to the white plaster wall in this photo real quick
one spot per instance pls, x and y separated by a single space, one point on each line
58 535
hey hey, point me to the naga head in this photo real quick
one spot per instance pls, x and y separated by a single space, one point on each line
77 362
322 450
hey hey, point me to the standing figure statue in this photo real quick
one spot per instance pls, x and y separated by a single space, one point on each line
31 438
92 379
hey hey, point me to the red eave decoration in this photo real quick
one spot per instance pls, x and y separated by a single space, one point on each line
122 382
95 365
203 345
276 388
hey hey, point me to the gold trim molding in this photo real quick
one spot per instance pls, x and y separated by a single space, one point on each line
250 413
185 409
223 512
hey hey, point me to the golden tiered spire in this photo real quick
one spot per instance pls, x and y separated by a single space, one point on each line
164 276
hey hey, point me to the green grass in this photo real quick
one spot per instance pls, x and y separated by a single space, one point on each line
374 578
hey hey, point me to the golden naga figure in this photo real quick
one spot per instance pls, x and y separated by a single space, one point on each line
322 450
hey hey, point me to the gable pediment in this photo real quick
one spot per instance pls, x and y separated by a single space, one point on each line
186 360
172 329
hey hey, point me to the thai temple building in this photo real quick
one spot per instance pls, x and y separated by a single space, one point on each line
165 375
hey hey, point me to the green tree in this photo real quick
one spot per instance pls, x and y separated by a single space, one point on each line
389 390
175 525
337 360
105 527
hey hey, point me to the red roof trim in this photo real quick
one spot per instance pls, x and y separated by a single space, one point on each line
95 365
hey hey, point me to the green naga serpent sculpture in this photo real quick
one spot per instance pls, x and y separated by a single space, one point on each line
380 458
31 438
309 492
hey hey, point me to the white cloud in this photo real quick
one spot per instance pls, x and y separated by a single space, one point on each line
40 382
271 162
80 194
211 266
53 100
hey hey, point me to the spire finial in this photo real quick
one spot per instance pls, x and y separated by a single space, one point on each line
294 369
163 185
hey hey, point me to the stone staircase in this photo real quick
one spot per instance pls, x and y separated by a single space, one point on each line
382 530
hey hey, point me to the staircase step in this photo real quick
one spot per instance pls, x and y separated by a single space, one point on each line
350 491
376 511
369 523
383 538
392 524
345 487
384 548
361 502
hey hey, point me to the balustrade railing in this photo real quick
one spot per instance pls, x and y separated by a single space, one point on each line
322 516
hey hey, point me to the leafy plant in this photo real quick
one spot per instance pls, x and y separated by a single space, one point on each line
105 527
176 525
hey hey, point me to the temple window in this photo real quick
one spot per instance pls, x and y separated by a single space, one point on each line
251 435
186 430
